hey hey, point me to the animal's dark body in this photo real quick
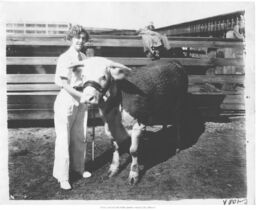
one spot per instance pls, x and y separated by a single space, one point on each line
153 94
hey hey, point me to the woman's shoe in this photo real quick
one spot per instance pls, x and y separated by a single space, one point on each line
65 185
86 174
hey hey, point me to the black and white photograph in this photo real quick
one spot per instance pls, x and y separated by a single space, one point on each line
119 103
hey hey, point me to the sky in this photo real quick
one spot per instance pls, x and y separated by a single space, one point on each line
116 14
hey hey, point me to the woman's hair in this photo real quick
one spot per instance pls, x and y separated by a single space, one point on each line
75 30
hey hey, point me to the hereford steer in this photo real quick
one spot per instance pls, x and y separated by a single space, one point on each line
151 95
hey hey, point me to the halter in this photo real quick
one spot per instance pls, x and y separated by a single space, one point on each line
97 86
94 85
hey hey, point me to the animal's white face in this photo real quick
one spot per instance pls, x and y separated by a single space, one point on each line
98 73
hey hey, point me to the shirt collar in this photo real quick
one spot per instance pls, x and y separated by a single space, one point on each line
73 51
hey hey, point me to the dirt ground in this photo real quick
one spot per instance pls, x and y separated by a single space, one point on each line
212 164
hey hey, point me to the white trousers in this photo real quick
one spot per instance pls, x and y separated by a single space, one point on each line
70 120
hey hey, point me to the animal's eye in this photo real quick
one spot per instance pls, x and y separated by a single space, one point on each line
104 78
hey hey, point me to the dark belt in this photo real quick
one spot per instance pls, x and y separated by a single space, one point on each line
79 88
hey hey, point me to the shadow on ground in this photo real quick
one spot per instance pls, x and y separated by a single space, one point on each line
155 147
158 147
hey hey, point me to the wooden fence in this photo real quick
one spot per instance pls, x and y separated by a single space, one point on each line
31 64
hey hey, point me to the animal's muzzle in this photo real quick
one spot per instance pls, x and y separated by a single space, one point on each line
93 98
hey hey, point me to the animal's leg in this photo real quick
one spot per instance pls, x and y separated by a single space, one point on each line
178 140
114 167
107 131
178 125
134 171
118 133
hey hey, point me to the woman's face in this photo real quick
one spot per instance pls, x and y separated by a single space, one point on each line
79 41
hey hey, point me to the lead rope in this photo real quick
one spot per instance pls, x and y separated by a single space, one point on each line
93 134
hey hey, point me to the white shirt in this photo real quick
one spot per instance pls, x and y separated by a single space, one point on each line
62 71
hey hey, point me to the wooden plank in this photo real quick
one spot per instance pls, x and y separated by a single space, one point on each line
234 99
112 36
49 78
30 99
30 78
37 43
233 113
36 114
198 90
36 106
43 93
35 36
216 79
198 84
210 100
46 102
49 107
26 106
216 113
232 107
31 60
28 114
44 114
127 41
193 91
17 98
130 43
33 88
224 106
133 61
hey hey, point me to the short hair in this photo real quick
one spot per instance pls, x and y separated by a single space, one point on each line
75 30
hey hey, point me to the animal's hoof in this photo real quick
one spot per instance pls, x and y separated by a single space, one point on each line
133 177
133 180
134 174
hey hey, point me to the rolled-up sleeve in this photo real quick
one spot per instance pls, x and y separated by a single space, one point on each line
62 71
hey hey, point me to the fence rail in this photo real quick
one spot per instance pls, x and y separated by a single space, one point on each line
133 61
49 78
125 41
31 96
45 83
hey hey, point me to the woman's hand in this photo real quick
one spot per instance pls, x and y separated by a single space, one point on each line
74 93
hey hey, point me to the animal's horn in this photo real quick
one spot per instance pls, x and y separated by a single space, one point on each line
119 65
76 64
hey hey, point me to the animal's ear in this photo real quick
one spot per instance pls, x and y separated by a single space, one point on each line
119 71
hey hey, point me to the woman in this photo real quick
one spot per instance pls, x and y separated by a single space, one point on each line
70 116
